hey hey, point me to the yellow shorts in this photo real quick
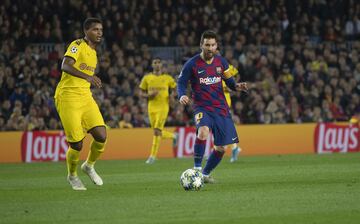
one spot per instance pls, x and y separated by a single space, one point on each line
78 117
158 119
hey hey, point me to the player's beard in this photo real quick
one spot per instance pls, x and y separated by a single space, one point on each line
157 71
208 55
97 40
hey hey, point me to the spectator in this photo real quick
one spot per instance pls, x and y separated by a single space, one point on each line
298 56
126 121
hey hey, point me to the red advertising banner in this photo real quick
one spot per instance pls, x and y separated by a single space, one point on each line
186 141
330 137
43 146
136 143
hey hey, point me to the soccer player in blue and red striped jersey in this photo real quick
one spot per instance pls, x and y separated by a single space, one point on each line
205 71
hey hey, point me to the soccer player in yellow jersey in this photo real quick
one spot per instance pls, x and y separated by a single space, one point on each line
77 109
235 149
355 119
155 87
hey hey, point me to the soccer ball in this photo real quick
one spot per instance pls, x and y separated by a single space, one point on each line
192 180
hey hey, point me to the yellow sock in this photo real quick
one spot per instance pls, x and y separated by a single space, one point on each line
72 159
155 145
96 149
166 134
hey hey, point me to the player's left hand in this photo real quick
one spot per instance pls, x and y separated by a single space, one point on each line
184 100
242 86
94 80
153 94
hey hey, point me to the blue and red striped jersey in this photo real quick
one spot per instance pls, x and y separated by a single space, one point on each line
206 83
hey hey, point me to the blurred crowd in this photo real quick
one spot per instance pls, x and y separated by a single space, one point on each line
300 58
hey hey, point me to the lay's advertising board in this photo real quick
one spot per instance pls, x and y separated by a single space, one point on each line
135 143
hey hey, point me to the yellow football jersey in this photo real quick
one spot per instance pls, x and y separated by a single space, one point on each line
354 120
85 61
233 72
161 83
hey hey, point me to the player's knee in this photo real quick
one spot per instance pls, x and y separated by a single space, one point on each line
76 145
220 149
157 132
202 136
203 133
99 134
100 137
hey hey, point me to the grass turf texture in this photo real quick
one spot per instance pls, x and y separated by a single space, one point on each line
263 189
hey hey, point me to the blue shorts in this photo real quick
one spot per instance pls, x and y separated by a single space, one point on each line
223 128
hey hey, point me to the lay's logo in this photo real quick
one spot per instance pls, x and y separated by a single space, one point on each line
43 146
209 80
331 137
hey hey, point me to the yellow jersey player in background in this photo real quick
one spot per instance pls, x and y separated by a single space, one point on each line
355 119
77 109
155 87
235 149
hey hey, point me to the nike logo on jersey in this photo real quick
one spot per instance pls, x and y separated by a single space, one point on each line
234 138
201 71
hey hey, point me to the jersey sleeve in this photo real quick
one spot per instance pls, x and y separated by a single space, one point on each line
354 120
183 79
143 84
227 70
73 50
233 70
172 83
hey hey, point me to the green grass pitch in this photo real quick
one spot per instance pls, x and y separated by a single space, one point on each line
261 189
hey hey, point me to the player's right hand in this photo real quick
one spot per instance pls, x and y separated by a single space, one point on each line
242 86
153 94
94 80
184 100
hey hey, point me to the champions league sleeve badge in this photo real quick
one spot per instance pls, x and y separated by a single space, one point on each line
73 49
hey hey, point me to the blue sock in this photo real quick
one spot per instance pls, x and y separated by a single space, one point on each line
199 150
214 159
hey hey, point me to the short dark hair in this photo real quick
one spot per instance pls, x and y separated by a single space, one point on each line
156 58
89 21
208 34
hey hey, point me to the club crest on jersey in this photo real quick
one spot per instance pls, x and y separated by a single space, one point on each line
209 80
218 70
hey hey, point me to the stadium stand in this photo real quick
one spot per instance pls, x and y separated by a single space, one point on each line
301 58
